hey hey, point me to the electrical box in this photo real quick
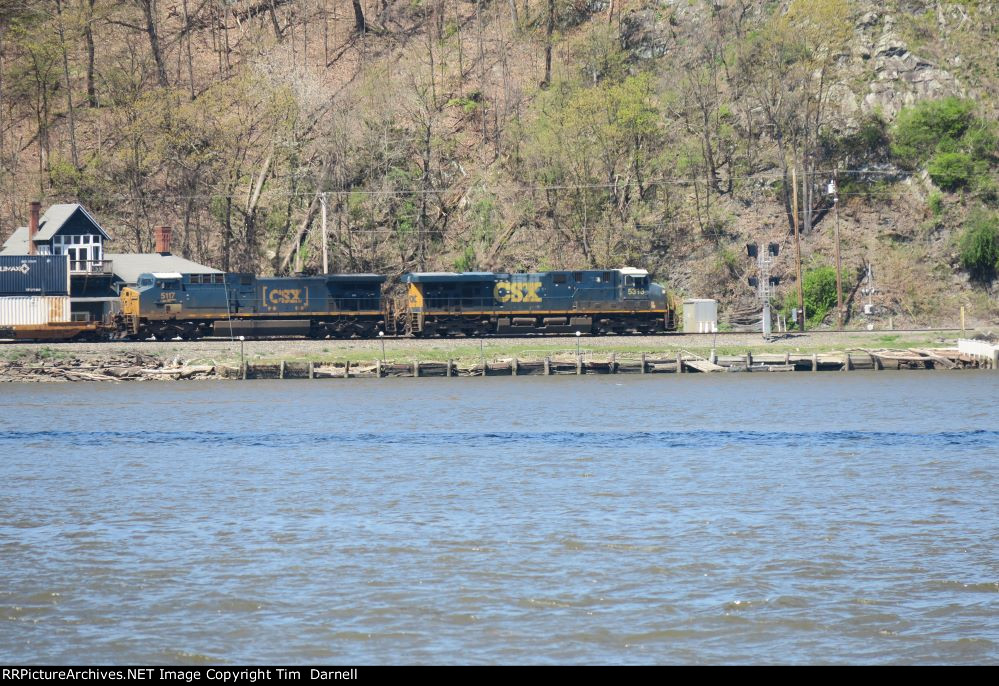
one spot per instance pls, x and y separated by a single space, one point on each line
700 315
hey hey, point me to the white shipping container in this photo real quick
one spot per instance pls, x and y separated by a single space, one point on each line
34 310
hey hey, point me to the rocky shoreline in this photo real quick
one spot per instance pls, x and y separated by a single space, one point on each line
42 367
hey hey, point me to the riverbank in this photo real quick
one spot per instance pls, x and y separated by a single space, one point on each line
212 359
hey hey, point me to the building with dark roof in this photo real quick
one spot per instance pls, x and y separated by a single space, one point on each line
64 229
96 277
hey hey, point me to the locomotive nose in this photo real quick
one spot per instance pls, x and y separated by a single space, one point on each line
129 301
658 294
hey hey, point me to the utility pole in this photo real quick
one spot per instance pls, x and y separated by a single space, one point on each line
326 265
797 250
834 191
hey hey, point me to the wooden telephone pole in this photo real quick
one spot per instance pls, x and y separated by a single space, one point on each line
797 250
839 279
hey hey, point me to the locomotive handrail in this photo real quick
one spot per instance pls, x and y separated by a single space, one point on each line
456 305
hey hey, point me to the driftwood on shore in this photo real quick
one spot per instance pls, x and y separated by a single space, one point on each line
126 367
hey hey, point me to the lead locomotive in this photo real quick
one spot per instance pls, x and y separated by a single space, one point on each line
593 301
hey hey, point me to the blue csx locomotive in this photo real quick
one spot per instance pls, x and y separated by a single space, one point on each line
196 305
435 304
599 302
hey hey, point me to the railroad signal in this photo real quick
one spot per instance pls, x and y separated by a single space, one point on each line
762 281
834 192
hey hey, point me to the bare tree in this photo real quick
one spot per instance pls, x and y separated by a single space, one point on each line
549 30
60 29
359 25
149 13
88 37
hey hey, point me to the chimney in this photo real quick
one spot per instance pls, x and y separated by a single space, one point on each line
33 226
162 234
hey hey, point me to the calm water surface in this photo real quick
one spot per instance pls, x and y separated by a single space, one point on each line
694 519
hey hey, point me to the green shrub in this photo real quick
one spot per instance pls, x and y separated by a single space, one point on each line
819 289
935 201
927 126
869 143
467 261
952 171
979 246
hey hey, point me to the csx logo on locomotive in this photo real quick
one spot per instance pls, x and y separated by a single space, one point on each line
510 292
286 296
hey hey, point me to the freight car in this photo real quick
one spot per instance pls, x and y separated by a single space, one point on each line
168 305
481 303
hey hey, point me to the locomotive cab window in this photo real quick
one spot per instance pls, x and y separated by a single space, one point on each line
559 279
638 282
170 284
146 282
577 277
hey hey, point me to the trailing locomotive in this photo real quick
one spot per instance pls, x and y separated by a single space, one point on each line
168 305
479 303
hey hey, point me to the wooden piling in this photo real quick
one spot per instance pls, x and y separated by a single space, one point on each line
995 359
887 360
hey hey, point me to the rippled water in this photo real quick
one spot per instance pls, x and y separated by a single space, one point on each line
738 518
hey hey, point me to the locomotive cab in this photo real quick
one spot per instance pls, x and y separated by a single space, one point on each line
634 284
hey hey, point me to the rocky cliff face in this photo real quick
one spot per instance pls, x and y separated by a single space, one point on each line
899 77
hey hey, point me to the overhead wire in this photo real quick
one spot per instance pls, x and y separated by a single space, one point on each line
518 188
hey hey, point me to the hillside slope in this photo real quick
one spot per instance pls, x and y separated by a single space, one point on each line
524 135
